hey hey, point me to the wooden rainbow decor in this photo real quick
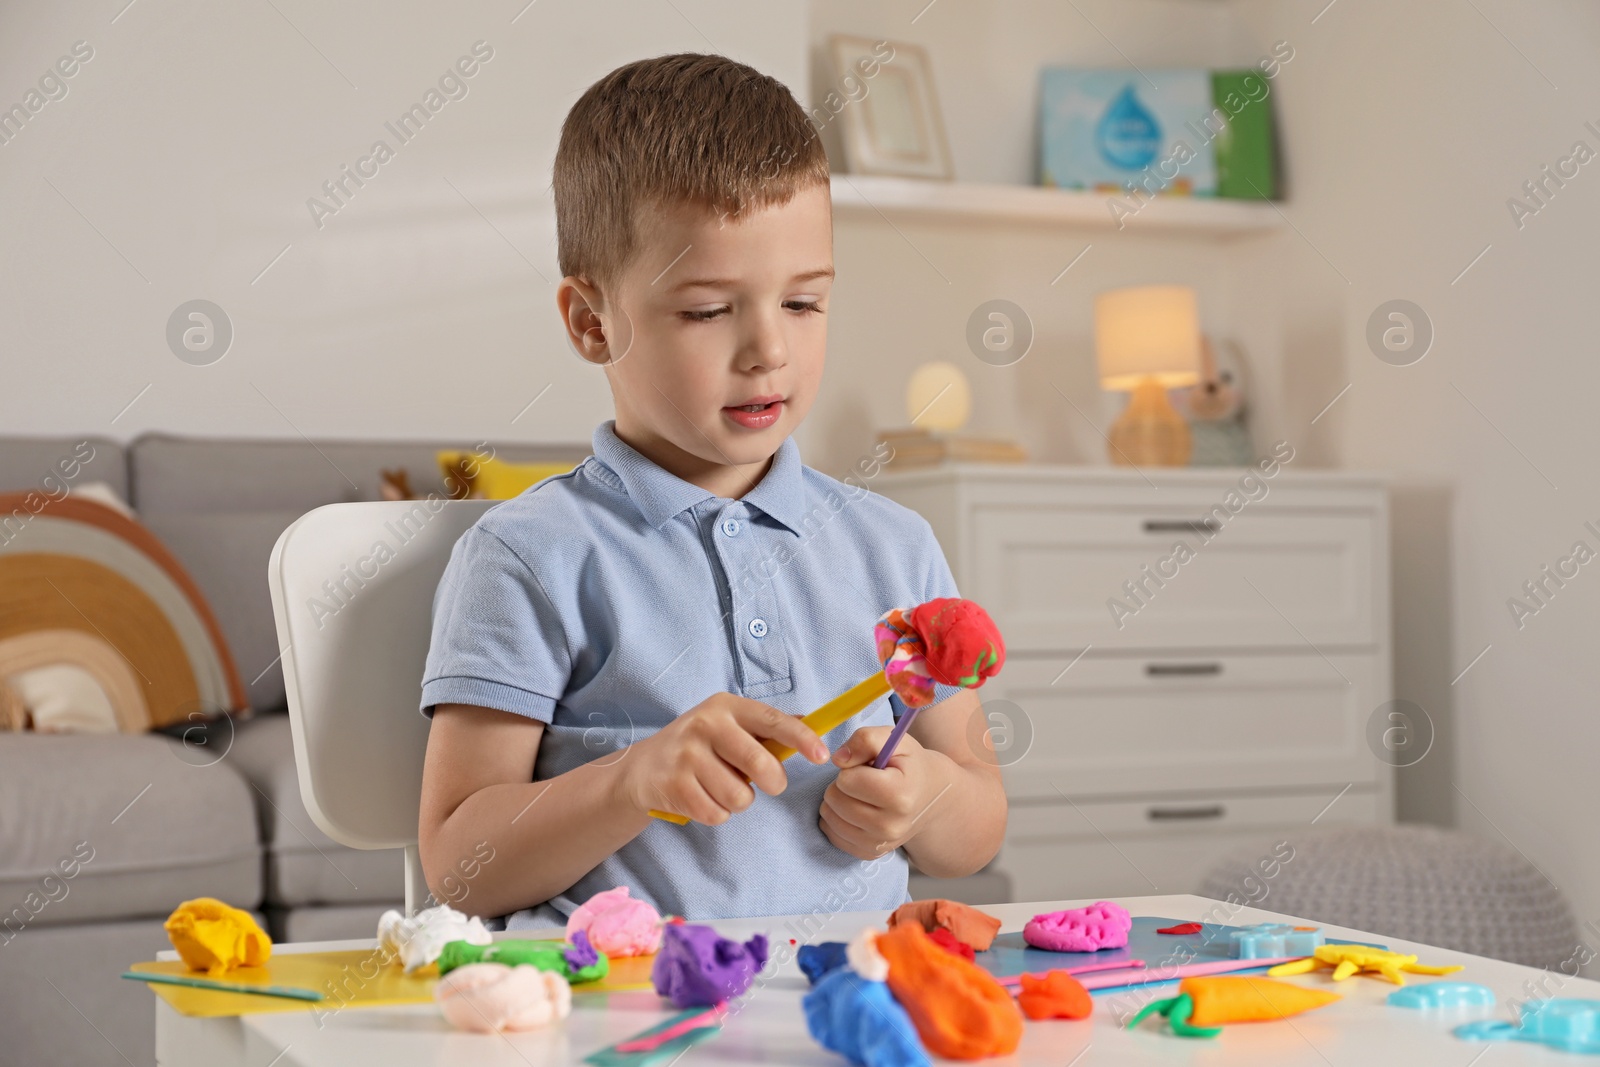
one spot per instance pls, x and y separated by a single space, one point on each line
82 584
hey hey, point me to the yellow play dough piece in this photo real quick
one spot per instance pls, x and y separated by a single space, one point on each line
213 937
1347 960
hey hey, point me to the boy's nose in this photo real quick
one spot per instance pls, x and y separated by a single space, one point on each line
765 347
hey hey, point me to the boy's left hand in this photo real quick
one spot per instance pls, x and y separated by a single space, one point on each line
869 812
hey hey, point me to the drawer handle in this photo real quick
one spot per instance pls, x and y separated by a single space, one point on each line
1160 526
1181 670
1210 811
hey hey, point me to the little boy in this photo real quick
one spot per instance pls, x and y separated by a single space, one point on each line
623 637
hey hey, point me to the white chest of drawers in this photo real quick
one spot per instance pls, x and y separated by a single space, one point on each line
1162 705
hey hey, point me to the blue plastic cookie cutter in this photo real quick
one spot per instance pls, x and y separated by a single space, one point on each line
1437 996
1266 941
1567 1024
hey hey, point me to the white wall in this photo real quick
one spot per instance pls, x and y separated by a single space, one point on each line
184 154
1409 127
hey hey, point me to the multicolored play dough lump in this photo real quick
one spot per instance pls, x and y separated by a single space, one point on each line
948 640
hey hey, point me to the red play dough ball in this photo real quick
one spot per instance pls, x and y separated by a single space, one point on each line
963 644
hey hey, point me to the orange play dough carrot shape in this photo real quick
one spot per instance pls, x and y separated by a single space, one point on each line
1204 1004
1219 1000
958 1008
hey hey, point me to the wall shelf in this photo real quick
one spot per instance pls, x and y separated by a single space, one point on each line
870 196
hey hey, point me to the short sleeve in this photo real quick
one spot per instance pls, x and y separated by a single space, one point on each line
498 641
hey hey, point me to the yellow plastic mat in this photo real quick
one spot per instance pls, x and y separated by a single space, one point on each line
356 978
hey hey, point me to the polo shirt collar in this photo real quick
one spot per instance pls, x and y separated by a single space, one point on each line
660 495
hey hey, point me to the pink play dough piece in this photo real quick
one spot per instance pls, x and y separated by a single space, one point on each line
617 924
1102 925
490 997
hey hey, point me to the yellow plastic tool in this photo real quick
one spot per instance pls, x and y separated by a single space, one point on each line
828 717
1347 960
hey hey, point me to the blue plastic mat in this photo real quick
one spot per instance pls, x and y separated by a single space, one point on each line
1010 955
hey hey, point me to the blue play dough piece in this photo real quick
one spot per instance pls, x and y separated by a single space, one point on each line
817 960
1435 995
1265 941
1567 1024
861 1021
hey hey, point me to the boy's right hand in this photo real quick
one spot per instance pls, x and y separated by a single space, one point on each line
704 763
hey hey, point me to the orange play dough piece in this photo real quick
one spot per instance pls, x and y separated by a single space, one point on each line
1220 1000
958 1008
1057 995
969 925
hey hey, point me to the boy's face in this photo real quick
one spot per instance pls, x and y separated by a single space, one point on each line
711 316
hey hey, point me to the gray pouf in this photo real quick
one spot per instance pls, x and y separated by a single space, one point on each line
1432 886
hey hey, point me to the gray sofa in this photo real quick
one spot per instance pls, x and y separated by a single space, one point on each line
144 822
217 814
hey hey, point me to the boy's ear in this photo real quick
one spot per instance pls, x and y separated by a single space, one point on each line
581 306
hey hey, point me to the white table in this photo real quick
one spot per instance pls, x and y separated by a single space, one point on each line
1359 1030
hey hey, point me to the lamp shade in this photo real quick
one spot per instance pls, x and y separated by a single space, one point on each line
1147 331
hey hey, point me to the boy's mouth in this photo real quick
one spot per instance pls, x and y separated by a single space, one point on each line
756 414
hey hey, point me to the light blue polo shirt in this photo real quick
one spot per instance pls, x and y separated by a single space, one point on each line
607 601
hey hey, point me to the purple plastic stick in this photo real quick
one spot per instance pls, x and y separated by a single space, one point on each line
895 735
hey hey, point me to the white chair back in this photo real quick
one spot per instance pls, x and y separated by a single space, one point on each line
352 591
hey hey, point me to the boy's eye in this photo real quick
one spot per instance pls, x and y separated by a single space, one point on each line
803 307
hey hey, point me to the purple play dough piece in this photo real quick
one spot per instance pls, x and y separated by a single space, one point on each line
698 967
1102 925
582 954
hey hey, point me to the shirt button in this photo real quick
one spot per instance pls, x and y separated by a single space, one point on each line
730 527
758 627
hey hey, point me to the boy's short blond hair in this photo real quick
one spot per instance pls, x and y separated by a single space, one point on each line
701 129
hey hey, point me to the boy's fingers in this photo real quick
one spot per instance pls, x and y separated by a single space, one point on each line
839 821
766 721
848 809
862 748
872 787
698 805
727 786
742 752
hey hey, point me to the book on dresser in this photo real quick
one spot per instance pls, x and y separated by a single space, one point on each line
1194 658
915 447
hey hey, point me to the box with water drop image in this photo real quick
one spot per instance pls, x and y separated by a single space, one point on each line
1117 131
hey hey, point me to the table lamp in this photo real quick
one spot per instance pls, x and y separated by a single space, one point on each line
1147 340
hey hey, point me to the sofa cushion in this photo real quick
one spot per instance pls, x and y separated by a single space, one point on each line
336 922
305 865
119 826
91 1017
45 464
220 505
226 554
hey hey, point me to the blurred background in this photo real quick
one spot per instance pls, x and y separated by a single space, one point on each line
1436 152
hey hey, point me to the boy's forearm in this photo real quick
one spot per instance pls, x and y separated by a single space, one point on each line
545 835
961 830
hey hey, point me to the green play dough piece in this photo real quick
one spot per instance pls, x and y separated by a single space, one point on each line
1176 1010
545 955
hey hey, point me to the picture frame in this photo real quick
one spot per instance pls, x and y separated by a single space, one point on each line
888 109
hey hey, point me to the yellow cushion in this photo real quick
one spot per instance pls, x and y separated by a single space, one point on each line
494 479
